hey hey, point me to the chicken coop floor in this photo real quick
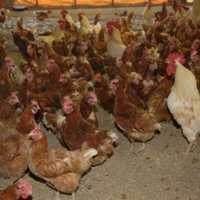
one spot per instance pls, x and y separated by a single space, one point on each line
160 172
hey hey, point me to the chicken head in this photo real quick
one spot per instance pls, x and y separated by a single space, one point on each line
36 134
68 105
24 189
171 65
91 98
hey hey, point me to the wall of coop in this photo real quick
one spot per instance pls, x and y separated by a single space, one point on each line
83 2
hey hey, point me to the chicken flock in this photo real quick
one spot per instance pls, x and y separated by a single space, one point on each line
140 78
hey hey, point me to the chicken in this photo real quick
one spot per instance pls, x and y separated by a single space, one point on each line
66 21
137 124
60 47
76 132
97 27
85 26
28 118
87 107
134 89
148 14
13 152
184 103
82 69
2 49
8 108
61 169
179 7
157 100
99 43
69 18
105 96
162 14
115 46
6 73
22 37
22 189
65 85
2 16
13 75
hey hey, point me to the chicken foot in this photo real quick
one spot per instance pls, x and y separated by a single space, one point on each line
131 148
142 148
189 148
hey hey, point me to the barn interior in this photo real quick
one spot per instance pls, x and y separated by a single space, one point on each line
115 78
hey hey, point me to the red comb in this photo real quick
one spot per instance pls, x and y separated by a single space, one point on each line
172 57
111 24
98 77
114 23
81 14
25 187
171 61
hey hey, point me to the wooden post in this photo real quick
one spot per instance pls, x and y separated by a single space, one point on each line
113 2
36 2
75 3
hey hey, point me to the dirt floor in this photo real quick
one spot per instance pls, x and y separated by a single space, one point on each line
160 172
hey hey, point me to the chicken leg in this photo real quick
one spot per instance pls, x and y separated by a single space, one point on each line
73 196
189 148
57 196
142 148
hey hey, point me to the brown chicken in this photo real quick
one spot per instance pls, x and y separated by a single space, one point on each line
104 94
137 124
76 132
2 16
84 69
134 90
22 37
87 107
60 47
6 73
2 50
22 189
61 169
157 100
28 118
13 153
8 108
161 15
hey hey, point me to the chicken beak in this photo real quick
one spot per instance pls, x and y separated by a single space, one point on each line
157 126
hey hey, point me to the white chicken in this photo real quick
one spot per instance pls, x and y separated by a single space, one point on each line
148 14
86 27
115 45
184 103
69 19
